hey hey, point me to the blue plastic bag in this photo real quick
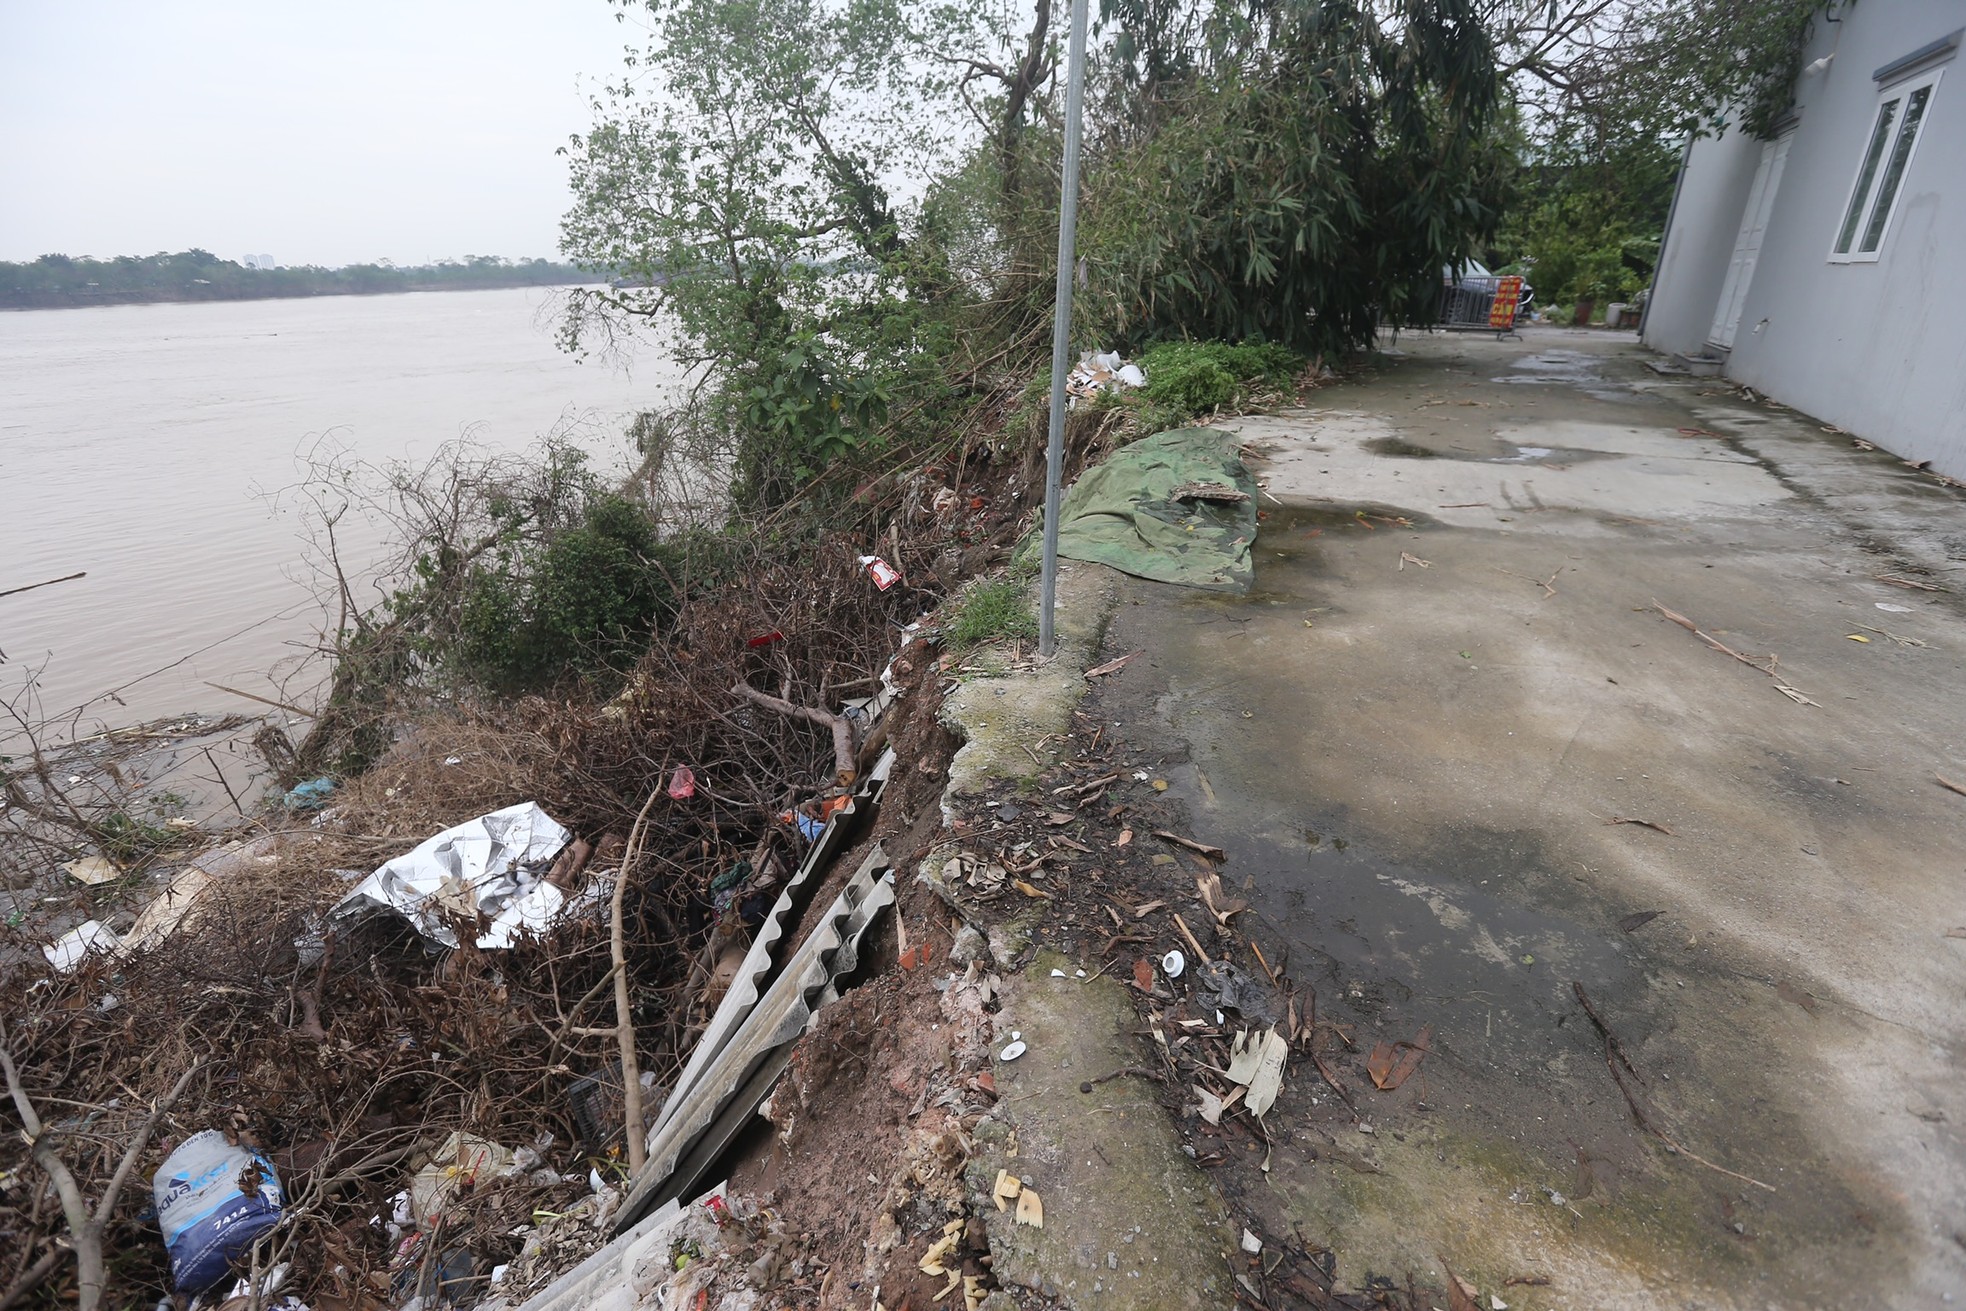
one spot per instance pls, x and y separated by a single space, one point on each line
214 1199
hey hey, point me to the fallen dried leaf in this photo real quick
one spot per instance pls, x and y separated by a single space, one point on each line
1789 992
1221 906
1393 1063
1461 1294
1949 785
1635 922
1642 823
1959 932
1126 836
1858 637
1036 894
1407 557
1143 974
1145 909
1211 1105
1111 666
1273 1054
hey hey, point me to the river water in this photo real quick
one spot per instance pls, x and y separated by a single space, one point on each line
150 446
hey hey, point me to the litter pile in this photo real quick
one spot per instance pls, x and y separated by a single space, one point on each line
1101 371
506 994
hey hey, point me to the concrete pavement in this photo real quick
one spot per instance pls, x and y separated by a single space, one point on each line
1416 736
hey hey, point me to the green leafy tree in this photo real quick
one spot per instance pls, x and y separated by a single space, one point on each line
1295 172
1606 97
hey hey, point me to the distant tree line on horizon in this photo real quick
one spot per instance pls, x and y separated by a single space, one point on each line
54 281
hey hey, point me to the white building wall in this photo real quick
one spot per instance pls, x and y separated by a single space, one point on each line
1706 216
1875 348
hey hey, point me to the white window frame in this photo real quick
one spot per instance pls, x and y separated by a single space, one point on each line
1865 203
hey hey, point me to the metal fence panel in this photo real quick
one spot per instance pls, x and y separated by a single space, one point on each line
1477 304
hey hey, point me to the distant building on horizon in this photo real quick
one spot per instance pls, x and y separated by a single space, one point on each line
258 261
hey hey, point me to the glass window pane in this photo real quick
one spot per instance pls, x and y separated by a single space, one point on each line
1887 190
1887 114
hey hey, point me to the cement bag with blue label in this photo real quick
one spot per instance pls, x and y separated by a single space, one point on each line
214 1199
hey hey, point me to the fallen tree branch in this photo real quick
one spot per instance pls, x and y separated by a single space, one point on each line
842 729
1614 1048
35 1273
67 578
1774 662
85 1228
632 1130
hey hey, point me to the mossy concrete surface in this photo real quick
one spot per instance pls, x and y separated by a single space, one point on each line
1005 712
1129 1221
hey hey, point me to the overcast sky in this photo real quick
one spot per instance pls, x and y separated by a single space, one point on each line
411 130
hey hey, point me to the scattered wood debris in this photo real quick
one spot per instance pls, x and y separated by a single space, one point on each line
1548 585
1030 1208
1615 1056
1200 848
1770 669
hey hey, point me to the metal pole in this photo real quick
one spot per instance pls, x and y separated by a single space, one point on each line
1061 325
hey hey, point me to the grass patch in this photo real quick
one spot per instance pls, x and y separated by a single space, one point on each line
1197 376
987 611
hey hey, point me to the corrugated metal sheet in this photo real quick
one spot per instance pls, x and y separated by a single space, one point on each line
702 1114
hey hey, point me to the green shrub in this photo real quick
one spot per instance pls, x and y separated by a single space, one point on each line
585 599
986 611
1194 377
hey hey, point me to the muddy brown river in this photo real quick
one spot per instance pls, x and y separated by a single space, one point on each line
155 447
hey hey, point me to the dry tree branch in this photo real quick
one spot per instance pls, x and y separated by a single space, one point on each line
841 726
85 1229
624 1013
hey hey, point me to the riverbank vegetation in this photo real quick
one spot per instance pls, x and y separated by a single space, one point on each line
58 281
840 216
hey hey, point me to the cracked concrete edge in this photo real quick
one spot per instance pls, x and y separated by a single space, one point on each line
1129 1220
1002 712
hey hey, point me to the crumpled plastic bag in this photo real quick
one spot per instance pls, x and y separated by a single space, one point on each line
1228 987
464 1161
490 870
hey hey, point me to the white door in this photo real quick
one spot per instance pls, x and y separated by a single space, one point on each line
1747 246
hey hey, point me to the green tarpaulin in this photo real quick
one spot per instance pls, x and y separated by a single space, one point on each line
1124 512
